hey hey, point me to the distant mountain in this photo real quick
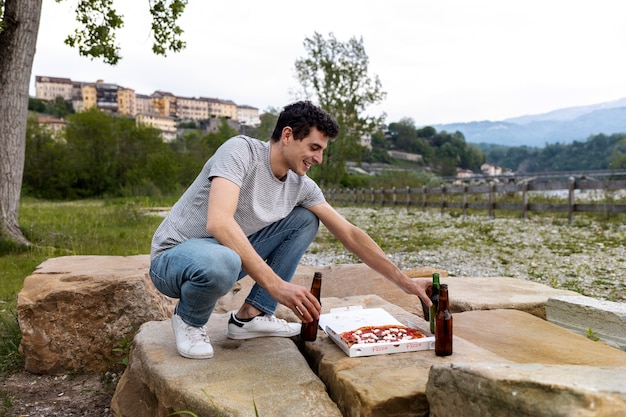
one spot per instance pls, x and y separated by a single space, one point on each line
562 126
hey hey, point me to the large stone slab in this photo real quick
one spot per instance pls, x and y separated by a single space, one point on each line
603 319
384 385
73 311
504 390
523 338
339 281
267 373
479 293
492 293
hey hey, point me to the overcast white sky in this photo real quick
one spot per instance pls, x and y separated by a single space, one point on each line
440 61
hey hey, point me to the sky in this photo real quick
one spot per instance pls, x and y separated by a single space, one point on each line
439 61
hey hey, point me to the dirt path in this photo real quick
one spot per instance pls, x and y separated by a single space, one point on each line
28 395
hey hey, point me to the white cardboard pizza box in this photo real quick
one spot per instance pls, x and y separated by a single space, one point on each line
343 319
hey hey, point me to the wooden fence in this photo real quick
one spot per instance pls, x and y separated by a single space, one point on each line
494 196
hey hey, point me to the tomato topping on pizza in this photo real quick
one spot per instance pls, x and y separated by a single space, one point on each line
380 334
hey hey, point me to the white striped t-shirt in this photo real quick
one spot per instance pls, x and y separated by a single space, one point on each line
263 198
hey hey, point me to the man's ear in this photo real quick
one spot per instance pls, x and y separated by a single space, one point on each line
287 133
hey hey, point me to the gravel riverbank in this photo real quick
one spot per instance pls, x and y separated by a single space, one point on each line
588 256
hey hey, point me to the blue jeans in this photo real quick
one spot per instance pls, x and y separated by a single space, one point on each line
200 271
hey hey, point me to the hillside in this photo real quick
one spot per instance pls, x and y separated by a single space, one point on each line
558 126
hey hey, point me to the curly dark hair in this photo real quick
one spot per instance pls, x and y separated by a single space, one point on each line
301 116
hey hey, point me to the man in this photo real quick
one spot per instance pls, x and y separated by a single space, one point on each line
253 211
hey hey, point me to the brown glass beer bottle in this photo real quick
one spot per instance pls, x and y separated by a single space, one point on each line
308 332
443 325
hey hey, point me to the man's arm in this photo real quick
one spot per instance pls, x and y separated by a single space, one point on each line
221 224
363 246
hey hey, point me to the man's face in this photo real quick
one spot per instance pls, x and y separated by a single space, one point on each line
303 154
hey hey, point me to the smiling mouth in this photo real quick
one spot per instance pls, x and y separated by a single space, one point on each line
308 165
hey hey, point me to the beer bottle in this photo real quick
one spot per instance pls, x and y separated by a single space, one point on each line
308 332
443 326
435 299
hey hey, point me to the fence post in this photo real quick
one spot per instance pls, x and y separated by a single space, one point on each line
492 204
465 189
571 199
525 200
443 198
423 198
393 196
408 197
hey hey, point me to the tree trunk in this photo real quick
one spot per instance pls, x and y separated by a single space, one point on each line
18 42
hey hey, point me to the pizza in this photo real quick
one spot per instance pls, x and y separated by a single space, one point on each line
388 333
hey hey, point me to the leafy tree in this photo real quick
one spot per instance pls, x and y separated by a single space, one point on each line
95 38
617 159
335 74
268 122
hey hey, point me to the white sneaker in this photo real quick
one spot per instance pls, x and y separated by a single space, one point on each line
191 342
261 326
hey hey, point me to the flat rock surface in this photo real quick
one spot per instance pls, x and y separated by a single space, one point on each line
523 338
267 373
479 293
383 385
503 390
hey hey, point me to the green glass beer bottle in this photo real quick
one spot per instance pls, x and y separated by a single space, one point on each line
435 299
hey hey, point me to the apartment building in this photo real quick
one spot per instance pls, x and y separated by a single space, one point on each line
192 108
166 124
248 115
126 102
116 99
144 104
49 88
164 103
222 108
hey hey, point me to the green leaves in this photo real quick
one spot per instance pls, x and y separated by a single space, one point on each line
335 74
96 37
99 21
166 32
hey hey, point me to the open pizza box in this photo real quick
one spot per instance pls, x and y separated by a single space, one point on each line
344 319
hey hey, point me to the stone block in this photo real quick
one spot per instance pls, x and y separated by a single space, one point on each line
504 390
493 293
339 281
603 319
73 311
523 338
267 373
384 385
479 293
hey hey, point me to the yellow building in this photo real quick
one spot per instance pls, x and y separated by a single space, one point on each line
166 124
164 103
221 108
192 108
126 102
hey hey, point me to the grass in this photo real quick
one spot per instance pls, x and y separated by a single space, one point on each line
90 227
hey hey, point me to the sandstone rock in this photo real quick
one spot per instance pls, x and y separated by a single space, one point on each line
523 338
480 293
267 373
491 293
338 281
503 390
385 385
604 319
74 310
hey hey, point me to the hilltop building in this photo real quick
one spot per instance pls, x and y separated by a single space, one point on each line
162 110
